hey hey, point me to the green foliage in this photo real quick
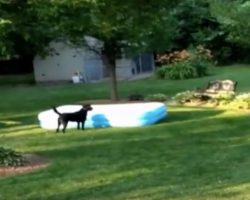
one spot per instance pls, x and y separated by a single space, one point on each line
201 66
185 64
241 101
234 15
161 71
186 96
8 157
25 32
6 46
26 27
233 101
226 99
225 96
173 57
195 25
221 98
180 71
157 97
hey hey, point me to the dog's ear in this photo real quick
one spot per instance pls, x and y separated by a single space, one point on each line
87 106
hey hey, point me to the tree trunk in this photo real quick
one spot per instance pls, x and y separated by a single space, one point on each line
113 83
109 62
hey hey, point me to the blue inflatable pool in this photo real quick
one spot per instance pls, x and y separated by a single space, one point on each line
111 115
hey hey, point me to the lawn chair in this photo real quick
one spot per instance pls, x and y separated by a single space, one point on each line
216 87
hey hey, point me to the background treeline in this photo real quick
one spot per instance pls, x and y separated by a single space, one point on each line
220 26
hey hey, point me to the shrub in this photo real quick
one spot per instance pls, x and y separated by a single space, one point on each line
238 105
243 97
186 96
241 101
176 56
157 97
225 95
161 71
180 70
230 99
203 53
185 64
224 98
201 66
199 52
9 157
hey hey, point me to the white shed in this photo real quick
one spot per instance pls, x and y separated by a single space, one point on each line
65 61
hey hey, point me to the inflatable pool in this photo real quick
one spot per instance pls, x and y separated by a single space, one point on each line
110 115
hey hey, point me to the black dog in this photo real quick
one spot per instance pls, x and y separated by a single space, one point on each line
79 117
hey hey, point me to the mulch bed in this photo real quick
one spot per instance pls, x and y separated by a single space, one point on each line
33 162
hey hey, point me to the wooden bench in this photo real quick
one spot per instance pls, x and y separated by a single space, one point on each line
216 87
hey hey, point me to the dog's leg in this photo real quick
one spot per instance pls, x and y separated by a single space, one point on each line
58 125
83 125
64 126
78 125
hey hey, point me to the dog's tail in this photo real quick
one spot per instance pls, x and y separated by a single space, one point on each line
55 110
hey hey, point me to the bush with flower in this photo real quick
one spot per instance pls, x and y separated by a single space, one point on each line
184 64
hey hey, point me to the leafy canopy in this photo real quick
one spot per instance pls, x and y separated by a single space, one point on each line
130 24
234 15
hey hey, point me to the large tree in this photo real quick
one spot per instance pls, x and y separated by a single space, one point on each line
123 26
128 25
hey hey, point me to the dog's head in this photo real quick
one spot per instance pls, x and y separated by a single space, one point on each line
87 107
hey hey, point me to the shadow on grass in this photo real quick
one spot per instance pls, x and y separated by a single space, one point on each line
17 123
188 113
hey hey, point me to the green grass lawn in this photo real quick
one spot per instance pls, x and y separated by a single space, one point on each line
194 154
16 79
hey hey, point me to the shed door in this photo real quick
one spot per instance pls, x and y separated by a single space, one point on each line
93 69
144 63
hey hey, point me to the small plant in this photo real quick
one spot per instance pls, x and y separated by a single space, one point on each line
241 101
156 97
9 157
224 98
186 96
243 97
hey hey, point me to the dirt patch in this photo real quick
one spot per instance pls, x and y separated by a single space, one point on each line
32 163
107 101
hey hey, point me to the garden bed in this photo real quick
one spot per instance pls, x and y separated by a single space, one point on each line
32 162
209 104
